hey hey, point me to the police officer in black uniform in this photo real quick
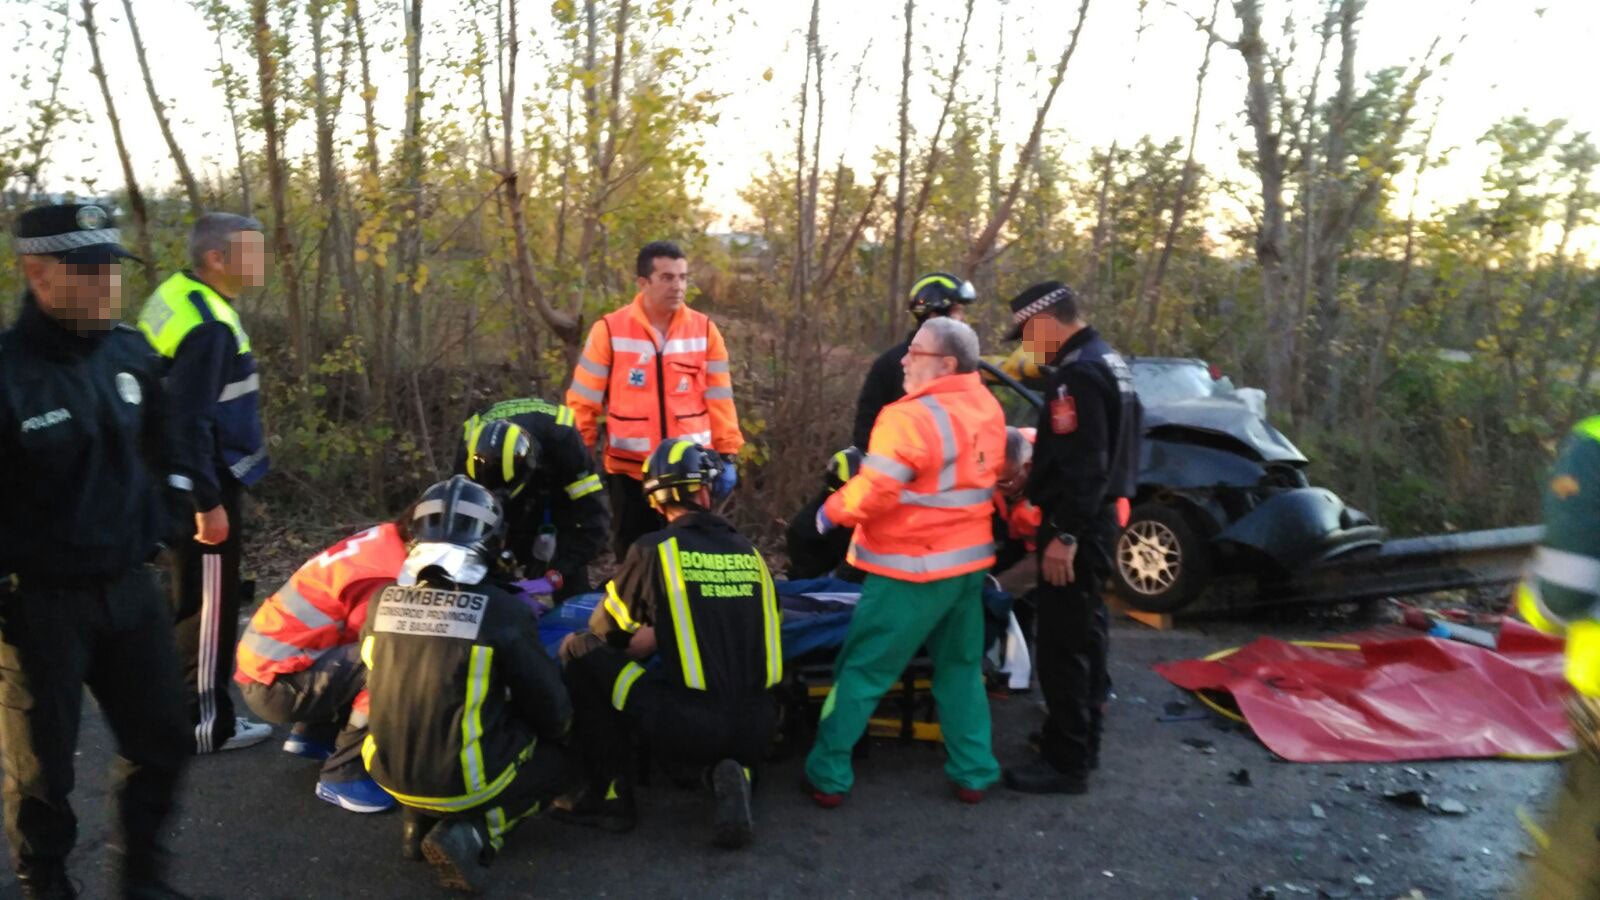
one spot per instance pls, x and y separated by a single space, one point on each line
468 714
555 503
1086 456
699 597
934 294
82 464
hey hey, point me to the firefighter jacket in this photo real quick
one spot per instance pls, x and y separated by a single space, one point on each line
215 391
922 503
321 607
1561 591
461 690
650 388
564 493
708 594
1086 452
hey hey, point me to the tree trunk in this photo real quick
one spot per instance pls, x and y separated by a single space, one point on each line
190 186
283 244
980 249
1150 291
931 167
895 301
407 288
136 205
50 113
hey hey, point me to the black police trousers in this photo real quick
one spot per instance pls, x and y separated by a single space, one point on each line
676 724
1070 653
205 603
115 637
318 703
632 517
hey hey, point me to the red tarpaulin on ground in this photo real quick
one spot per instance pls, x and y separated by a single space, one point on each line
1396 696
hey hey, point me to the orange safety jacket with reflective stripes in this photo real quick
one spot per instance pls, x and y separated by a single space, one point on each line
651 388
321 607
1022 519
922 503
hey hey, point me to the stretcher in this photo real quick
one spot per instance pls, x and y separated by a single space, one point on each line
816 618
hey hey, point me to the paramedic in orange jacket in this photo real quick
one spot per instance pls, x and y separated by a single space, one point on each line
654 369
921 508
299 660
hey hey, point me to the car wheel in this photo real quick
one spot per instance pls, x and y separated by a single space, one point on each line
1162 561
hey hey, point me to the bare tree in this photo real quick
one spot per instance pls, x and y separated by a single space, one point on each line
980 250
892 309
190 187
934 155
410 242
51 112
222 20
136 205
283 243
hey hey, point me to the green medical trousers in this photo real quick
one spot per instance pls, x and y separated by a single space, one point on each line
894 619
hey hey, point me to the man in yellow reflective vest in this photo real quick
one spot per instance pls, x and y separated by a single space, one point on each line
1561 594
697 596
654 370
219 451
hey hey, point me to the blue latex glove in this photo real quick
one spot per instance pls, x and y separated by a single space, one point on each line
824 524
726 479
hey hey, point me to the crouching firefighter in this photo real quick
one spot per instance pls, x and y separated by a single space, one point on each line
467 712
699 597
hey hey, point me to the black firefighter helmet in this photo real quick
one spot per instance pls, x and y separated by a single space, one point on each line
677 468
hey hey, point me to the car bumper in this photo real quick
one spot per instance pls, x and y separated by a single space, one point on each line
1303 526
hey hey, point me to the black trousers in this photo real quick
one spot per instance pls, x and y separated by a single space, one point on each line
115 638
1070 653
631 515
205 603
318 703
550 772
677 724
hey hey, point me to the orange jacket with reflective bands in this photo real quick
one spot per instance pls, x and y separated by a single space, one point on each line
650 389
322 606
921 505
1022 519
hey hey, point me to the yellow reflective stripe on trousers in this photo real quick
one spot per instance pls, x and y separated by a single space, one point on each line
772 625
447 804
366 651
682 621
624 685
472 718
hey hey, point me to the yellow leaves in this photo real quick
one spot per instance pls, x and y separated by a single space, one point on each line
370 93
767 75
564 11
421 280
361 255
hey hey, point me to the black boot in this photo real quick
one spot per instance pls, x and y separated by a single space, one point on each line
734 825
1039 777
611 810
414 826
458 850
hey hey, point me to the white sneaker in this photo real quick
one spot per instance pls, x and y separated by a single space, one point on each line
247 734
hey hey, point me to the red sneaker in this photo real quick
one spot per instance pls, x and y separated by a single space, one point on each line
820 797
969 796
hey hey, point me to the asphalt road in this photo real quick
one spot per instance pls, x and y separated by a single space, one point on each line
1162 821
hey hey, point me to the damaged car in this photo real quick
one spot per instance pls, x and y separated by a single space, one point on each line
1221 492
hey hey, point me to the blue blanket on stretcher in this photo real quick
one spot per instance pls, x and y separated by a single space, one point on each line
816 615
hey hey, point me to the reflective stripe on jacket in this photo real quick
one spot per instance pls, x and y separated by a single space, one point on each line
649 389
322 606
181 304
1560 592
922 502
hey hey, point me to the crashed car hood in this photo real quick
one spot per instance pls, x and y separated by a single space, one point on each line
1225 416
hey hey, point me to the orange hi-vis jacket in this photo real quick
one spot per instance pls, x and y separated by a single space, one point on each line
650 388
321 607
922 503
1022 519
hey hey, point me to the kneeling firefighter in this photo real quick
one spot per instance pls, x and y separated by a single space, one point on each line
697 596
467 710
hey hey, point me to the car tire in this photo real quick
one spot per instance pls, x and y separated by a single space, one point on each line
1161 560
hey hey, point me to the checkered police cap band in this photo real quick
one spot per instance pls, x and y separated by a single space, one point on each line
1040 305
61 243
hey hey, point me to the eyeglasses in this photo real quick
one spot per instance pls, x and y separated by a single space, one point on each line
915 352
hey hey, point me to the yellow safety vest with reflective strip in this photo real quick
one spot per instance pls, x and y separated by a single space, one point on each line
1561 591
175 309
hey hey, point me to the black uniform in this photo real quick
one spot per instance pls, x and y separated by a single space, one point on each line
467 710
565 497
81 464
813 555
1085 457
707 695
886 383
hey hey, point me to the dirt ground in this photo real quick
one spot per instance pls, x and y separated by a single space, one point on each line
1163 820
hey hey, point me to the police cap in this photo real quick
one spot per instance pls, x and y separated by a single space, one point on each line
71 232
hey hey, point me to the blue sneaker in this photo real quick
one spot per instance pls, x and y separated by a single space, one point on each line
361 796
300 745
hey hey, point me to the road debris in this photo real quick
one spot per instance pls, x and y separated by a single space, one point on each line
1241 777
